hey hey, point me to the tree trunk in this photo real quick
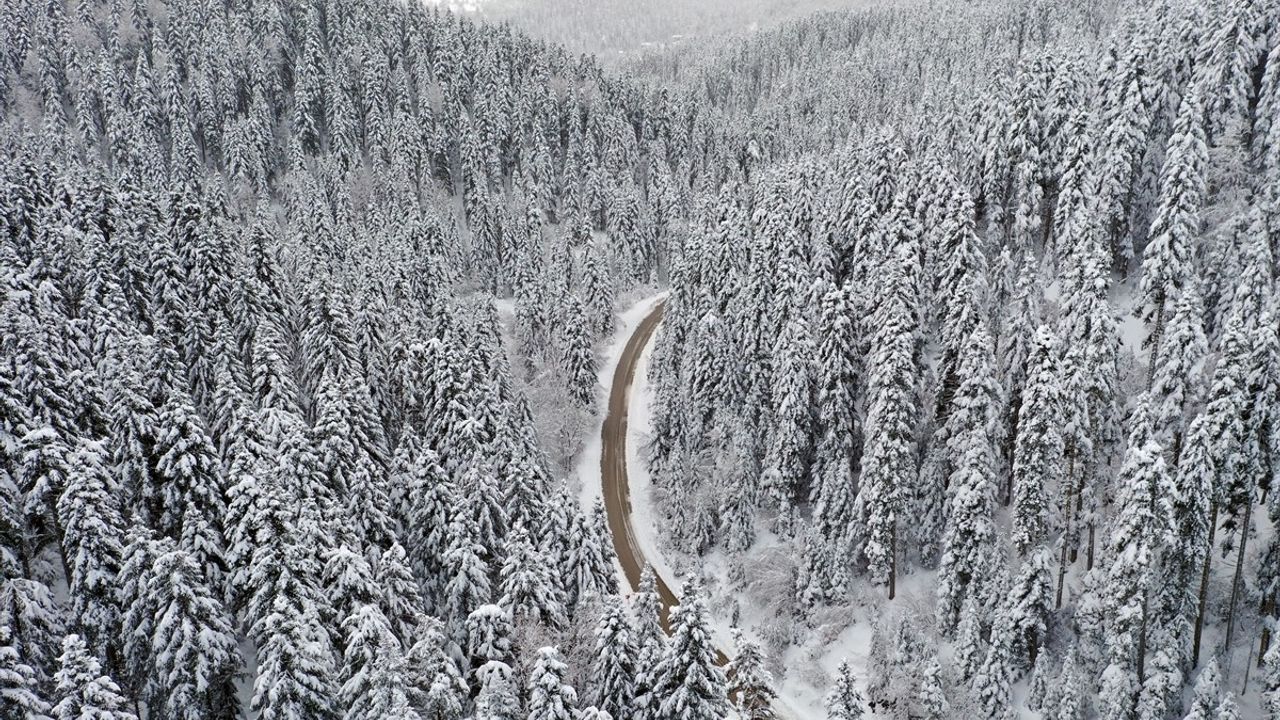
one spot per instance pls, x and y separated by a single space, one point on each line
1089 559
1062 560
1264 643
1204 586
893 559
1142 642
1073 502
1238 577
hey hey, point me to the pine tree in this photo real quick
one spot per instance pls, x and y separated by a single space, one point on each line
1038 447
182 637
489 632
750 681
577 358
888 462
349 582
1038 684
20 695
1166 263
969 541
550 698
933 699
651 643
1208 690
1176 366
436 687
1141 529
791 447
92 534
1227 709
1071 702
614 667
191 504
844 702
295 665
497 699
84 692
431 510
838 441
589 562
468 586
400 599
365 631
970 649
1271 681
526 583
374 684
687 679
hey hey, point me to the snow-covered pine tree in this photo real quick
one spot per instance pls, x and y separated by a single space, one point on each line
550 698
190 504
969 541
1207 693
887 460
1166 261
82 690
614 667
436 687
527 585
349 582
933 698
844 702
401 602
497 699
651 643
787 465
431 509
92 535
182 647
1038 683
469 585
838 443
1140 531
1038 448
1271 681
1228 709
365 633
20 692
1176 368
750 684
687 680
577 358
970 645
1072 700
488 632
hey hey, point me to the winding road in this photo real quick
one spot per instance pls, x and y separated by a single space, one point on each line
613 461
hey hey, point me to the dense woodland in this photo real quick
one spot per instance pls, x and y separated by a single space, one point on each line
267 448
301 302
990 311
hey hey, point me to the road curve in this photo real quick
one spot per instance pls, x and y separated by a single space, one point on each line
613 461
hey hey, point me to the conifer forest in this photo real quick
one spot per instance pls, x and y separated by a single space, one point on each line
650 360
